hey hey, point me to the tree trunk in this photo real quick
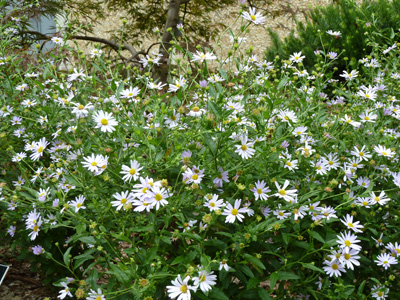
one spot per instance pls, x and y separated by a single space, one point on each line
160 72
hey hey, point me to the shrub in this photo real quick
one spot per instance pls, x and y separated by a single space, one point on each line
233 185
353 22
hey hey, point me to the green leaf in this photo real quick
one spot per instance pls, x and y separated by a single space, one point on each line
245 269
88 240
282 83
66 257
205 260
92 278
312 267
263 294
287 275
223 73
166 240
218 294
253 282
34 193
121 276
215 109
178 260
210 143
361 287
80 259
71 180
27 196
285 238
254 260
273 279
316 236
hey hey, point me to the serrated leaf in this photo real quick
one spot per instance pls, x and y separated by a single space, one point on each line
245 269
27 196
215 109
282 83
287 276
87 240
119 274
34 193
316 236
254 260
177 260
80 259
253 282
223 73
218 294
263 294
312 267
71 180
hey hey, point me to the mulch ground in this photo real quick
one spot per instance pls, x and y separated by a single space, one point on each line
20 283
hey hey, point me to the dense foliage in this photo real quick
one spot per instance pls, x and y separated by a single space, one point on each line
224 183
380 18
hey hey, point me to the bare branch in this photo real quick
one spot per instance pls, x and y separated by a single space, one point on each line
109 43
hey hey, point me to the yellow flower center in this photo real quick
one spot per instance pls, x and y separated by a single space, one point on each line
212 204
253 17
330 163
80 107
184 289
132 171
289 163
350 224
123 200
347 243
36 228
244 147
377 199
380 294
158 197
384 153
40 150
202 278
195 177
94 164
234 212
173 118
282 192
78 205
347 256
196 109
259 191
335 266
104 122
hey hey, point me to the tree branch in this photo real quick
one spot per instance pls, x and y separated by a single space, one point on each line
109 43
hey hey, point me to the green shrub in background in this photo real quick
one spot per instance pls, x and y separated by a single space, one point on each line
352 21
